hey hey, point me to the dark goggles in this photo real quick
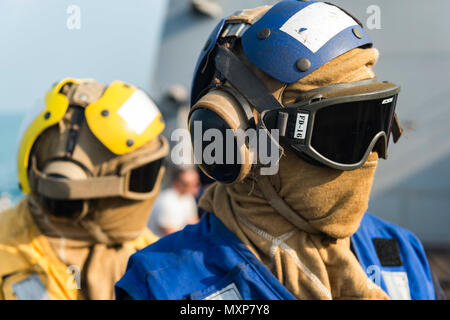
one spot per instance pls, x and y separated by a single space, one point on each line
336 126
141 183
340 131
135 179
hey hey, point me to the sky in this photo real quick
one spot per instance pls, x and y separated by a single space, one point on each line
47 40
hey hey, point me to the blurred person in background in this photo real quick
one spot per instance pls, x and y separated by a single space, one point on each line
176 206
90 165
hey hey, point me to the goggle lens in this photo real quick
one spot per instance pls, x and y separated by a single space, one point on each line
143 179
343 133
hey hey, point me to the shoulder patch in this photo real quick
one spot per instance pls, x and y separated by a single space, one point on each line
388 252
397 285
230 292
31 288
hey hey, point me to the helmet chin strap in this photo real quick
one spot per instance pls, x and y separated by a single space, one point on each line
277 203
96 231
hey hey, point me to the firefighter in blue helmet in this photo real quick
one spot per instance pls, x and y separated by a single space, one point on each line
88 191
298 76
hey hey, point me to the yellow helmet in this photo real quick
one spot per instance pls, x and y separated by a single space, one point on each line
122 118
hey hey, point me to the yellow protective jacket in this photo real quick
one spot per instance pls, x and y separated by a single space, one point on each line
29 267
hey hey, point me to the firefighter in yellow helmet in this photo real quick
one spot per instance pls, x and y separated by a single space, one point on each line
90 165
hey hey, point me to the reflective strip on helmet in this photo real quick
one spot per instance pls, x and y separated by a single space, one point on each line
317 24
124 118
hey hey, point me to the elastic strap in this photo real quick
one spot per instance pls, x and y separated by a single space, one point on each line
96 231
277 203
97 187
91 188
397 130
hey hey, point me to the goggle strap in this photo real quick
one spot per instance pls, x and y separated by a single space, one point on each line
64 189
285 124
91 188
282 123
338 86
86 189
397 129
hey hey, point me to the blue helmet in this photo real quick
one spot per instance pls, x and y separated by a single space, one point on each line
293 39
289 42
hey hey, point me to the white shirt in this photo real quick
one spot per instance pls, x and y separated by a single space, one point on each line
172 210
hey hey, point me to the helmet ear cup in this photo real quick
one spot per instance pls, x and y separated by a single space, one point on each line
223 171
218 110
